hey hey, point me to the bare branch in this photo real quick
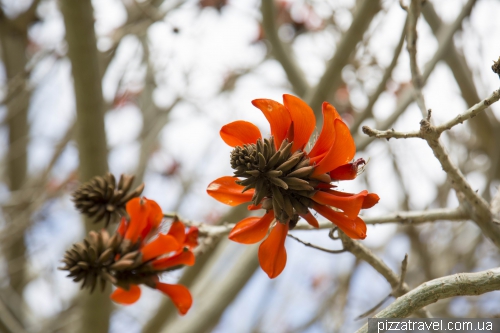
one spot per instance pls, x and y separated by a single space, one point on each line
9 321
389 134
404 266
361 252
280 51
315 246
444 37
382 86
411 44
470 113
332 77
414 217
462 284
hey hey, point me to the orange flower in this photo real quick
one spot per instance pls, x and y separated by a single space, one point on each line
278 175
155 254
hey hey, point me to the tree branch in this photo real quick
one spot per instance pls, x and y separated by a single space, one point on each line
332 77
462 284
90 133
411 44
444 38
414 217
398 286
281 52
382 86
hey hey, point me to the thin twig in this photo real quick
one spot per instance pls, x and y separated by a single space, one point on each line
404 266
470 113
415 217
363 253
382 86
411 44
444 38
280 50
316 246
389 134
374 308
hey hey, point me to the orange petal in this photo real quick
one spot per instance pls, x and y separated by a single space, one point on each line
126 297
122 227
228 192
347 171
327 135
310 219
161 245
344 172
370 200
155 215
277 116
239 132
138 212
180 296
272 252
303 120
252 229
178 231
182 258
356 229
340 153
351 205
254 207
192 237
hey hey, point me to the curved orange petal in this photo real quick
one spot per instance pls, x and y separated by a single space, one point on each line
126 297
344 172
351 205
122 227
356 229
347 171
254 207
370 200
303 120
155 215
182 258
178 231
161 245
310 219
192 237
252 229
240 132
228 192
327 135
340 153
180 296
277 116
272 252
138 212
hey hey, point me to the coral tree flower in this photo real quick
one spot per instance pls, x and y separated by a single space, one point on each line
136 254
280 176
144 254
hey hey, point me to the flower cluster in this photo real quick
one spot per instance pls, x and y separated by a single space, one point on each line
278 175
136 254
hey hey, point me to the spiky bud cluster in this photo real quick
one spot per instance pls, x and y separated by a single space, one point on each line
101 198
282 180
101 259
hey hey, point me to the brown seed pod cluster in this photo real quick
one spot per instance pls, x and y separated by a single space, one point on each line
281 179
102 198
100 259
